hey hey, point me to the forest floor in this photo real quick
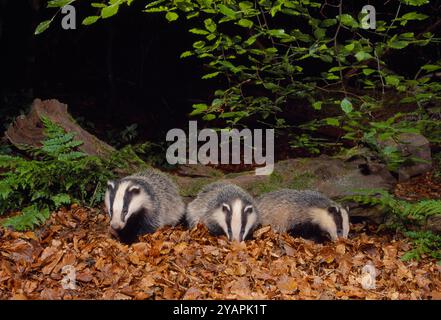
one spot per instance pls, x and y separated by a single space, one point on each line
174 263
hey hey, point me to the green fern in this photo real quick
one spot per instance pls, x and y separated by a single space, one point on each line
405 216
407 211
29 218
57 175
58 144
425 243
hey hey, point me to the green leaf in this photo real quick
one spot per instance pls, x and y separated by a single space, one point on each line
392 80
42 26
362 55
245 5
186 54
317 105
198 109
210 75
348 20
346 106
171 16
245 23
350 46
199 44
98 5
397 44
368 71
198 31
332 122
58 3
416 2
109 11
210 25
226 115
328 23
227 11
333 69
90 20
278 33
209 117
430 67
319 33
61 199
414 16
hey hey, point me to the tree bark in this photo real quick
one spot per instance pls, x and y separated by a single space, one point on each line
29 129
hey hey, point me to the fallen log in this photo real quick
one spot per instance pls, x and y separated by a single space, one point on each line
29 130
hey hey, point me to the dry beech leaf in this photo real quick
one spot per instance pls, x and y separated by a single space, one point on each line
287 284
192 294
174 263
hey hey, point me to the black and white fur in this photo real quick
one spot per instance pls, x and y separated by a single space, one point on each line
225 209
142 203
306 213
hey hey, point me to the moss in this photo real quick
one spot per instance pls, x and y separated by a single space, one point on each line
274 182
278 180
192 186
233 175
302 181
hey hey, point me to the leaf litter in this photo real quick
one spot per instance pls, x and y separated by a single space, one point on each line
75 257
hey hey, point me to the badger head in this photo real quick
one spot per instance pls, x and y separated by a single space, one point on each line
333 222
125 200
236 219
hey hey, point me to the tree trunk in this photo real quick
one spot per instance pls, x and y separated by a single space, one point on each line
29 129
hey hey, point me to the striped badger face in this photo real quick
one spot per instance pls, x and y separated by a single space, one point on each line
236 219
333 222
124 199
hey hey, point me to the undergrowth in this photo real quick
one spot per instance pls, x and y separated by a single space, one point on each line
409 218
54 175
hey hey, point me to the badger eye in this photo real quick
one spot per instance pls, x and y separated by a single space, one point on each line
134 190
110 185
333 210
225 208
248 210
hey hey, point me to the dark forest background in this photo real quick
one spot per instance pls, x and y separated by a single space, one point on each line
126 70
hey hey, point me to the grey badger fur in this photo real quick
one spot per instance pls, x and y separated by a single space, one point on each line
141 203
306 213
225 209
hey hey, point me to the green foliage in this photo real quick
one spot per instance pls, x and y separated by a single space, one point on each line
323 59
380 135
406 216
425 243
56 175
30 217
408 212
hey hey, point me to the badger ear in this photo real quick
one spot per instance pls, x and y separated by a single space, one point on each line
226 208
134 189
333 210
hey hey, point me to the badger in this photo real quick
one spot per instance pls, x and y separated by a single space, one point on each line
224 208
307 213
142 203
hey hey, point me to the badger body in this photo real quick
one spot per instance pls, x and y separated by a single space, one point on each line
142 203
305 213
224 208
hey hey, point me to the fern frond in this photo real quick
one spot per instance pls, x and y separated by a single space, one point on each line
408 214
31 216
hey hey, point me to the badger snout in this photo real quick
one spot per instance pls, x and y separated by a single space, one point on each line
116 226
